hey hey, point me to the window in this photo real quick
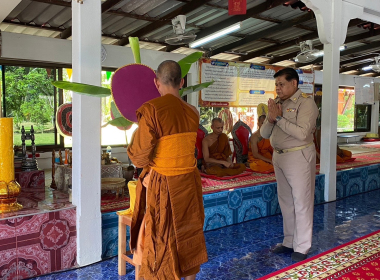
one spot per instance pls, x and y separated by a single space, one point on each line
30 99
346 109
351 117
362 118
110 135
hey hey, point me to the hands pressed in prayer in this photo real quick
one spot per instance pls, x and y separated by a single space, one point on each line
274 110
228 164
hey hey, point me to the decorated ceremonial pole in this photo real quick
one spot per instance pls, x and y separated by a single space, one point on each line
9 188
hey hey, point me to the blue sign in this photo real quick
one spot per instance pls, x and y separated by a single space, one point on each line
257 67
257 92
219 63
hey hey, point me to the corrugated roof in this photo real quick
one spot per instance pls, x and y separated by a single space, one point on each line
49 18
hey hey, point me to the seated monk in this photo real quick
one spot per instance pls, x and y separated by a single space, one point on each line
216 153
341 155
260 151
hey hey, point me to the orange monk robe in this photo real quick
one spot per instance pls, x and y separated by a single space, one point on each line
343 155
220 150
172 208
258 165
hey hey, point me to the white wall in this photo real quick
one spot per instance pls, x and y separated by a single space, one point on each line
42 49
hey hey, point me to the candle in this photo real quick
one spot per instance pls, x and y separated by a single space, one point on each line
7 169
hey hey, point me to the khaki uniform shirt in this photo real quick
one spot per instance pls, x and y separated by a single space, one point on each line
296 128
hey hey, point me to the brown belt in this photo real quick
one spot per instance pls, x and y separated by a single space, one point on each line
293 149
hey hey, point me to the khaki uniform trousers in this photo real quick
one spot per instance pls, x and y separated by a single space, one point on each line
295 175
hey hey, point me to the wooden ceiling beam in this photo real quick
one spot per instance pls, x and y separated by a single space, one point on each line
347 52
55 2
348 40
105 7
250 38
358 58
354 67
252 12
290 43
208 5
185 9
26 24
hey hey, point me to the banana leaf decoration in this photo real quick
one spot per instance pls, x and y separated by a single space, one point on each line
138 79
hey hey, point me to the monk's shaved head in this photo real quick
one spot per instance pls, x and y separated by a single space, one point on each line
262 118
214 120
169 73
217 125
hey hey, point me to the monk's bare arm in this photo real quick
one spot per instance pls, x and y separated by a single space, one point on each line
206 154
266 129
255 150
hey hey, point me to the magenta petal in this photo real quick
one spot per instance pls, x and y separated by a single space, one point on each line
131 86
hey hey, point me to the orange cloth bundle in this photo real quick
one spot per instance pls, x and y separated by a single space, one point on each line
175 150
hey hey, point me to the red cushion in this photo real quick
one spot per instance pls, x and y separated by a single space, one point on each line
243 135
200 135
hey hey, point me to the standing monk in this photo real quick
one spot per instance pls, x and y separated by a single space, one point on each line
216 152
167 225
260 151
290 125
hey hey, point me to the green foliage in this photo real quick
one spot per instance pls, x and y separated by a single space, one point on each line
38 112
122 122
344 122
186 62
85 89
206 116
29 95
135 46
190 89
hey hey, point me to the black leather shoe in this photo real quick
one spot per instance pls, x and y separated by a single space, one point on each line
279 249
297 257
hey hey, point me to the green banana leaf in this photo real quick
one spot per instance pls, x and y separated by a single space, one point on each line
186 62
135 46
190 89
83 88
115 112
121 121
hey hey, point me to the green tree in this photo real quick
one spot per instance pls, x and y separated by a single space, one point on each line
29 94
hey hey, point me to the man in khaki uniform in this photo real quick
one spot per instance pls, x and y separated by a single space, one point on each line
290 125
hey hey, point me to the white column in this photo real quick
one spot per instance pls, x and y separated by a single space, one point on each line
193 98
86 60
332 21
330 117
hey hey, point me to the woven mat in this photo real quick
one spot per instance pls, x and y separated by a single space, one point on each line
358 259
245 173
109 203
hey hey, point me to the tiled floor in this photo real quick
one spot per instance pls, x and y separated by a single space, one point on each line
242 251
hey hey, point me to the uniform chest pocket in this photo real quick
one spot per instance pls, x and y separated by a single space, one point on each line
290 115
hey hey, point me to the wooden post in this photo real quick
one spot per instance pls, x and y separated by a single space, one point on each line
60 157
53 185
